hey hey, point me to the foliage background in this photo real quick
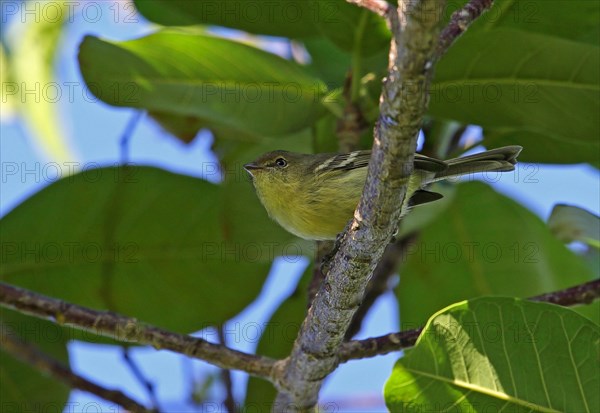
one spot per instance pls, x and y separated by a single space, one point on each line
557 123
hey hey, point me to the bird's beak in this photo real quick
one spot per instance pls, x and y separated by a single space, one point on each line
249 167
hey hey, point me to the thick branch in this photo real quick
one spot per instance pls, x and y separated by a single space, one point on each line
30 354
378 346
129 329
403 105
460 22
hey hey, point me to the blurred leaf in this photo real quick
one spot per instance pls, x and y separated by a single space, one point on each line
500 354
527 79
183 127
556 150
423 215
286 18
484 243
137 240
569 223
32 67
9 100
328 62
325 139
352 28
578 18
278 338
24 388
217 80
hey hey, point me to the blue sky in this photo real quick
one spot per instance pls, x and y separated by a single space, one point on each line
94 131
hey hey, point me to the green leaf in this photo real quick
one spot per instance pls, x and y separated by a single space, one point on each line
217 80
484 243
578 18
352 28
183 127
526 78
500 354
557 149
569 223
120 238
328 62
287 18
278 338
24 388
32 61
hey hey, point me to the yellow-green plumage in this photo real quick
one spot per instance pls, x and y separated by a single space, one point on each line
314 196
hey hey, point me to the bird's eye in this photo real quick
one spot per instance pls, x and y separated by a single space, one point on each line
281 162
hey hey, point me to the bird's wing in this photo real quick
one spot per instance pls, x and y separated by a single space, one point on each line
346 161
360 159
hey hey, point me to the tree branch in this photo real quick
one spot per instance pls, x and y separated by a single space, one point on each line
30 354
403 105
580 294
378 346
129 329
379 7
460 22
229 402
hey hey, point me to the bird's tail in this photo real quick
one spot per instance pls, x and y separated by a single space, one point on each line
495 160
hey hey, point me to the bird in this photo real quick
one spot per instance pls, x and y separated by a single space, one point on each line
313 196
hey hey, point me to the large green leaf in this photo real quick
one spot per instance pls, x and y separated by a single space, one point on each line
137 240
484 243
352 28
527 78
287 18
578 18
500 354
347 25
192 75
24 388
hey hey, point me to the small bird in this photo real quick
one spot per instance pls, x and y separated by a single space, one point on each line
313 196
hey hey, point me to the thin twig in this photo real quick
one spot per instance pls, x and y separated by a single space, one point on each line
378 346
32 355
229 401
460 22
580 294
129 329
139 375
127 134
